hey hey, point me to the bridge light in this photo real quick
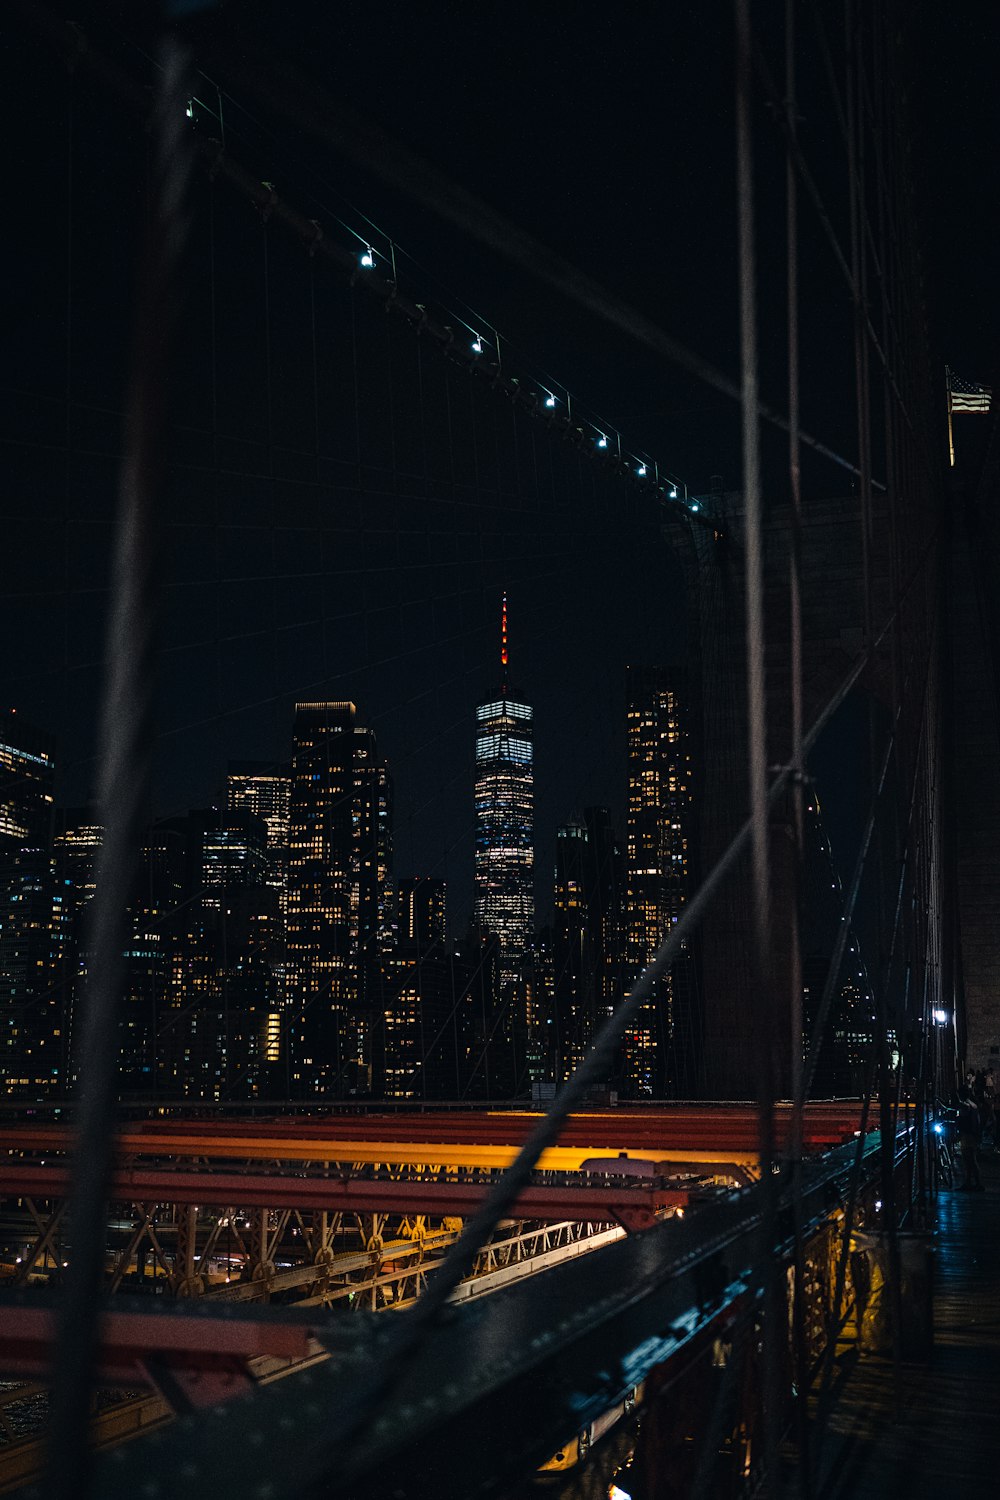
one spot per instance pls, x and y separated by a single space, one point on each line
477 345
673 493
941 1017
695 505
938 1128
641 471
368 258
190 109
602 441
550 400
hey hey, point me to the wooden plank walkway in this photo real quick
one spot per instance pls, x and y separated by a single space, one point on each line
947 1432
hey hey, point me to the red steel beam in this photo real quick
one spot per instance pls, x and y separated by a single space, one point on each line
474 1125
131 1341
717 1128
590 1204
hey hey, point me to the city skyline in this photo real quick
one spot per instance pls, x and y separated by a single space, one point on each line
257 772
282 914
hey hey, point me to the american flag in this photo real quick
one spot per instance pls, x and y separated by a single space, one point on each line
965 395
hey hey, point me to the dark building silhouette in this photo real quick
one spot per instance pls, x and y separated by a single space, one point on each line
849 1028
604 886
489 1065
206 930
587 957
574 973
421 911
168 973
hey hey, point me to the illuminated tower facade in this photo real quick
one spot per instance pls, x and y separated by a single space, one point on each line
338 864
505 855
657 872
265 789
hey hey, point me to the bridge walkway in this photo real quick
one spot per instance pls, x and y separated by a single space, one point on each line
946 1436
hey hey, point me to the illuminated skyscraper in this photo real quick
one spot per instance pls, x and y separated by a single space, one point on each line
265 789
417 1050
338 901
657 872
34 920
233 857
505 902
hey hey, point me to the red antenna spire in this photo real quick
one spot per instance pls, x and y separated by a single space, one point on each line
503 638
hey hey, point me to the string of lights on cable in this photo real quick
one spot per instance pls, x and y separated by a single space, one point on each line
373 261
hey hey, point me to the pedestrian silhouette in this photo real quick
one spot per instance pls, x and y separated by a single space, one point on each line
970 1130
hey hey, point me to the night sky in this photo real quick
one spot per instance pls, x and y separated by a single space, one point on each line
344 506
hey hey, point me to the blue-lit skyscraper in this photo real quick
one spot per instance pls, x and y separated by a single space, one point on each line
505 855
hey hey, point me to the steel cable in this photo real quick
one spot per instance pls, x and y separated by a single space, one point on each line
126 744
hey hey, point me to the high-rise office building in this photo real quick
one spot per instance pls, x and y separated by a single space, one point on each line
75 850
34 920
76 847
417 1045
233 857
657 874
265 789
338 905
504 861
